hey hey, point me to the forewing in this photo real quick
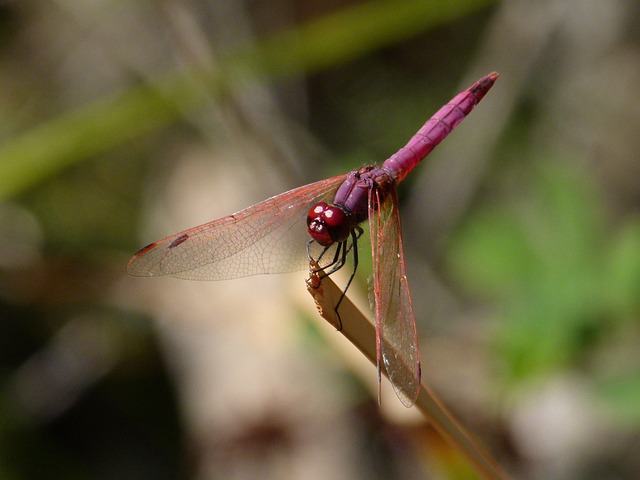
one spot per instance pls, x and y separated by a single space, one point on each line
395 324
268 237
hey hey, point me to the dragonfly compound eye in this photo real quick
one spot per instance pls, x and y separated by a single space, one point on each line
328 224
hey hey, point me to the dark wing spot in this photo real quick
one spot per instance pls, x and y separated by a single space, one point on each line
145 249
181 239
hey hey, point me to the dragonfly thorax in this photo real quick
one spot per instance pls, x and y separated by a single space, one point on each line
328 224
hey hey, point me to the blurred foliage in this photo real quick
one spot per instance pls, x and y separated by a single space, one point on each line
91 129
553 256
567 284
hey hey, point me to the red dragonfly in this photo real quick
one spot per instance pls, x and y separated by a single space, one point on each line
268 237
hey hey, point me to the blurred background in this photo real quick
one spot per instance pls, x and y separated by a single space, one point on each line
124 122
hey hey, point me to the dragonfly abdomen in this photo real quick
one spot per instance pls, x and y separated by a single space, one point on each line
401 163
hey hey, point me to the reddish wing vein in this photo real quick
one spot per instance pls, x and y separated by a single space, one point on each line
268 237
395 324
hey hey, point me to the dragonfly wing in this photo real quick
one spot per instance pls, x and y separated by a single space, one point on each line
268 237
396 336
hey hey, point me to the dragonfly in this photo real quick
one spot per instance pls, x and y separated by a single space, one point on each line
270 237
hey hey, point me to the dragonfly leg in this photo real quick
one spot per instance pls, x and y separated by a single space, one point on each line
355 235
334 265
345 249
339 260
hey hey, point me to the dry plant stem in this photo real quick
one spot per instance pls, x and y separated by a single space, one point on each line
357 328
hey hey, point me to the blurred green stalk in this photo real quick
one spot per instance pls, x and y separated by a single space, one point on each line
91 129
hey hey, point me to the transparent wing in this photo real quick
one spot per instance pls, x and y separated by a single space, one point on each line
268 237
396 336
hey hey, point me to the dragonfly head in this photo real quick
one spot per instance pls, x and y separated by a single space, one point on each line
328 224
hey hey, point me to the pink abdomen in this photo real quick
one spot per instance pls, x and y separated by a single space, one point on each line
437 128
